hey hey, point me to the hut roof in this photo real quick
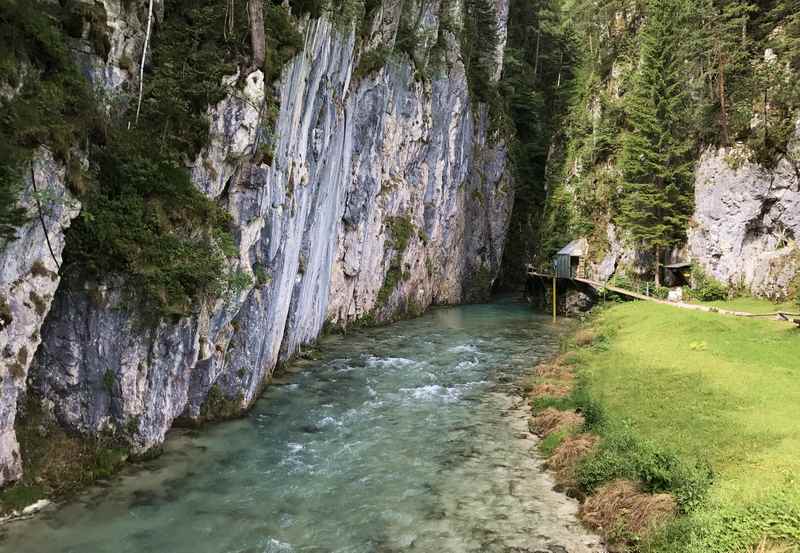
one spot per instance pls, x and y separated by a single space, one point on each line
576 248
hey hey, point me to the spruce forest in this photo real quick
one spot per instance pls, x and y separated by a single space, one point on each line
620 98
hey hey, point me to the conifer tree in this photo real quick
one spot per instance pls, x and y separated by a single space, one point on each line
729 44
656 160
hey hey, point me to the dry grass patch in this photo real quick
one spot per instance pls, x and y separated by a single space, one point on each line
554 371
554 420
622 512
567 455
550 390
584 337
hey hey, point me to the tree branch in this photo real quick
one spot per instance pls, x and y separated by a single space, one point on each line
144 57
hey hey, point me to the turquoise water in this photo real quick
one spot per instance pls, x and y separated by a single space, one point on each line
410 437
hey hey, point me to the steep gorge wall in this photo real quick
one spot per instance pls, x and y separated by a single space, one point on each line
386 193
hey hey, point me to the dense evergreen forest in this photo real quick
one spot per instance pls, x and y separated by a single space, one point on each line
617 99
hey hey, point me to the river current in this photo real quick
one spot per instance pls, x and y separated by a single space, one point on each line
410 437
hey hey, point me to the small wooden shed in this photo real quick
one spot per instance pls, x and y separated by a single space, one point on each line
678 274
568 259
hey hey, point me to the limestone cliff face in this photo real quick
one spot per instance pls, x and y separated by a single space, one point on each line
743 230
30 264
29 278
746 222
386 193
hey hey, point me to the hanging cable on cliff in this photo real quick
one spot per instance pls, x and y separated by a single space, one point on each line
41 217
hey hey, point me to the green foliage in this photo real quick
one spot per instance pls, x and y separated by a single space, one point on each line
56 464
727 405
401 231
711 54
371 61
20 496
536 87
218 406
621 454
142 218
146 221
657 155
192 52
51 104
479 42
549 443
262 277
733 528
660 292
579 400
284 41
238 281
705 287
108 381
312 7
723 89
5 312
11 215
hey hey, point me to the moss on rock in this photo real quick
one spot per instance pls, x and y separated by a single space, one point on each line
57 463
217 406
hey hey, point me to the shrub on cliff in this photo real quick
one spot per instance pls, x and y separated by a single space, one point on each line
706 287
146 221
50 103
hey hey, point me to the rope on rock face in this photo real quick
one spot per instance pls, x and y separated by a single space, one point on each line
41 217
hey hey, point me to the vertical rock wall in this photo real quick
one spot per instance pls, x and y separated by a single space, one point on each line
385 193
29 278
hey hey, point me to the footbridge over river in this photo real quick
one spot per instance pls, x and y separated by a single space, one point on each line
551 280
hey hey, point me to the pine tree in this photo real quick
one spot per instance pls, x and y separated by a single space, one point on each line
776 87
729 46
656 160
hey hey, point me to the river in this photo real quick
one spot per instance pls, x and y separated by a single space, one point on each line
409 437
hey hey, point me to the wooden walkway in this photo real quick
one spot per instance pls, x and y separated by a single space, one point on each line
600 287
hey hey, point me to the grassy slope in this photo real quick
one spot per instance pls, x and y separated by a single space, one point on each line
710 387
755 305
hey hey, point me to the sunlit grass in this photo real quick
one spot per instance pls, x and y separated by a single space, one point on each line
755 305
713 388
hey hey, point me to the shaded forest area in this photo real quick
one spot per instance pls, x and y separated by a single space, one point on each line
613 102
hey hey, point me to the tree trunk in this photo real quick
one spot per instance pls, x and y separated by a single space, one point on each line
723 107
144 58
658 267
255 12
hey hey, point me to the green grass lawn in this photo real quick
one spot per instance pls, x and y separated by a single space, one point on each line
754 305
712 388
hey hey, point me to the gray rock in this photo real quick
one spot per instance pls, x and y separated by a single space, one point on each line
29 278
746 222
351 158
577 302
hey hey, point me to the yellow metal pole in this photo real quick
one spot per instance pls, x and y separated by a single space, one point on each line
554 298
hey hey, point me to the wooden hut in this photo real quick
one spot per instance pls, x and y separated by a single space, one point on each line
677 274
568 259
